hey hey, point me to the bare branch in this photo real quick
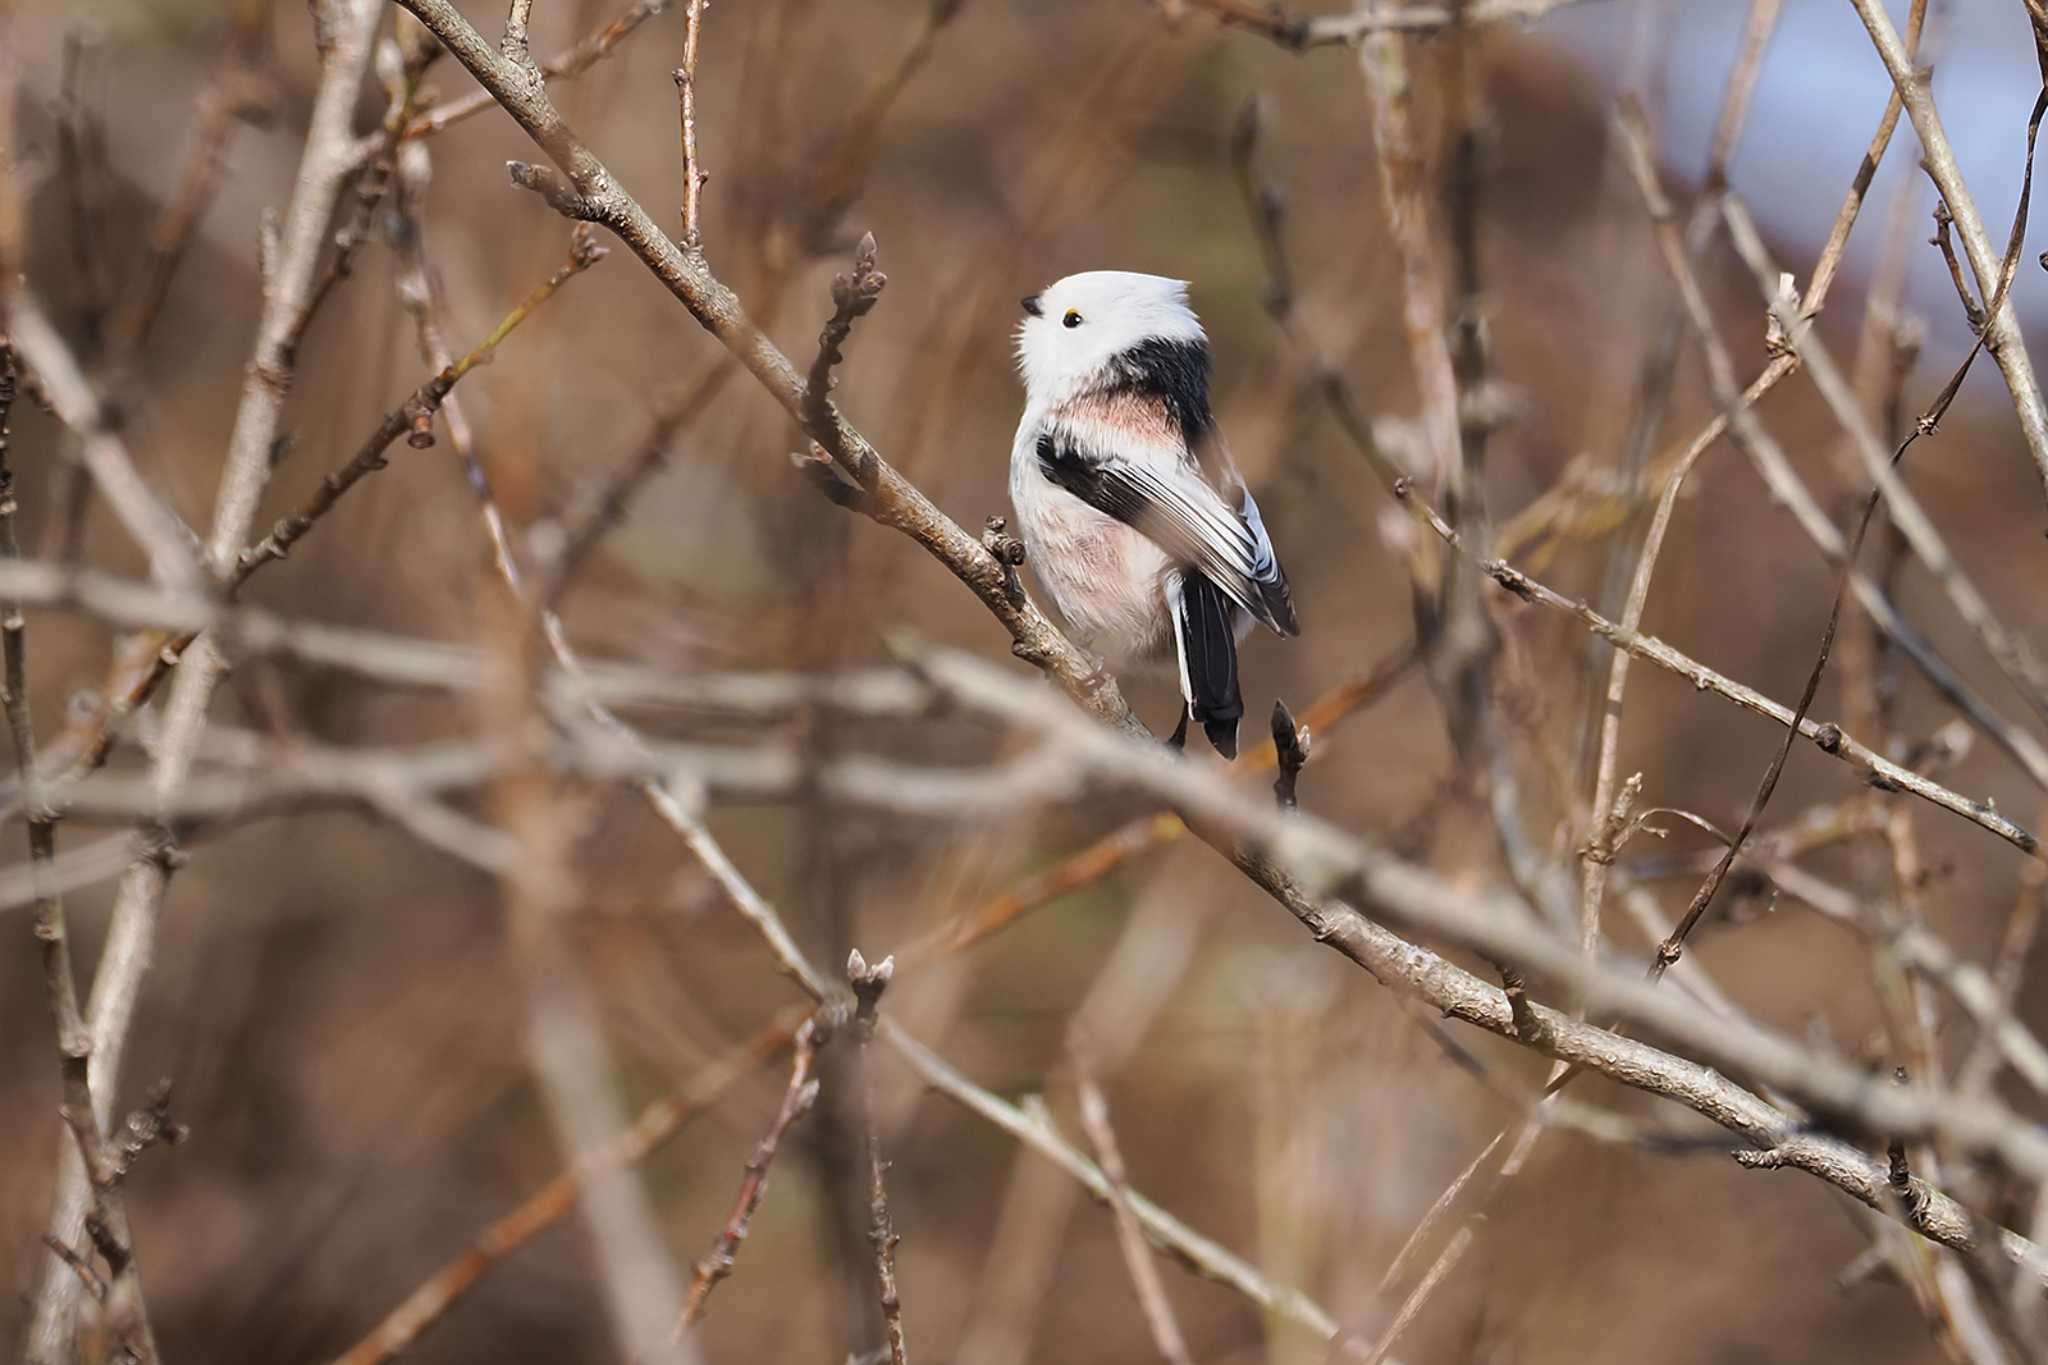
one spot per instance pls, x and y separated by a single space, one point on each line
686 102
797 1101
566 64
155 528
652 1130
327 161
1598 853
2002 338
868 984
893 501
1166 1333
1368 17
413 418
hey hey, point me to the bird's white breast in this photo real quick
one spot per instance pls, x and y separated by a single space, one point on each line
1104 577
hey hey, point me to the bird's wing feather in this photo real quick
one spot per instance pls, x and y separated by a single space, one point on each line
1156 487
1206 647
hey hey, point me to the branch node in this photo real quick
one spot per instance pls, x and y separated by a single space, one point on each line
868 984
1008 552
853 296
554 187
149 1126
1290 747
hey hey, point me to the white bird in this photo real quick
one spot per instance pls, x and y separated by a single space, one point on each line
1131 513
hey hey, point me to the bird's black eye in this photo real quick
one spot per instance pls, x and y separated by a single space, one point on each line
1072 319
1031 306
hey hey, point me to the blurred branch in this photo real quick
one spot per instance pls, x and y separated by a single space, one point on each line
673 410
82 172
1194 1251
414 662
1659 372
120 1290
842 172
412 418
654 1128
1980 1065
568 63
565 1045
419 291
1390 88
1367 17
237 94
153 526
1159 1319
1300 859
2002 336
121 601
1091 864
1749 433
1828 737
327 160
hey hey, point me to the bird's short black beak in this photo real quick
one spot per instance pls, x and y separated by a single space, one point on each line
1031 306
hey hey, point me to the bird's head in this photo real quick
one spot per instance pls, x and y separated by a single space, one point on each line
1074 328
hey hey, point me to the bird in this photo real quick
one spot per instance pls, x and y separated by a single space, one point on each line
1132 515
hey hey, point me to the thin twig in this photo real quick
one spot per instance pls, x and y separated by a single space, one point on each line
172 557
672 411
237 95
419 290
584 188
412 419
1636 132
1306 863
1159 1319
1368 17
797 1100
1828 737
568 63
868 984
327 160
654 1128
1598 853
1198 1253
2002 337
686 105
120 1290
1097 860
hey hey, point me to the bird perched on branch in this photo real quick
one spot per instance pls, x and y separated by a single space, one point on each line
1131 513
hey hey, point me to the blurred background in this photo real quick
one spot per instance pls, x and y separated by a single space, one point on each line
338 1006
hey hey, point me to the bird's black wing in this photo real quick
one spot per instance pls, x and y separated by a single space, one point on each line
1205 639
1164 495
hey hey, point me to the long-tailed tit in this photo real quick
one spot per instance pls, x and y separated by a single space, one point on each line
1132 515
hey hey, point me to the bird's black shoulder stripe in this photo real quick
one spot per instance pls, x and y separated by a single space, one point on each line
1066 467
1176 373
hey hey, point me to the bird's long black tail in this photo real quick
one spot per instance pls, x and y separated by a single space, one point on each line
1205 634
